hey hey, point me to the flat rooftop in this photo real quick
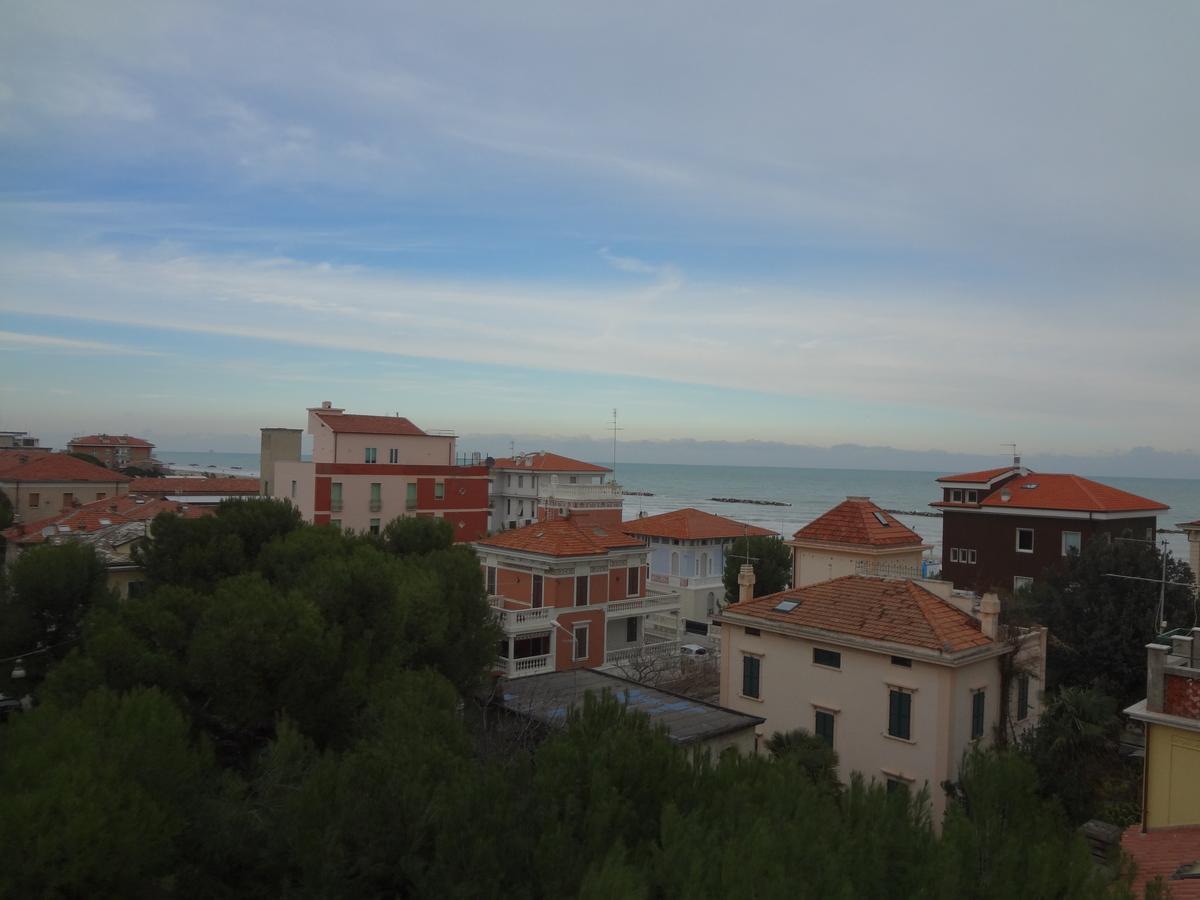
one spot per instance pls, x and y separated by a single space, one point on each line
546 699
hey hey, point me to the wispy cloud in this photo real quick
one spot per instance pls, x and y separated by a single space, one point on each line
18 340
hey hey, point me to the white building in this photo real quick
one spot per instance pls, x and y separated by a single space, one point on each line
523 485
898 677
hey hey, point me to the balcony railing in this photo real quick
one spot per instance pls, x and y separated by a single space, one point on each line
559 491
512 620
692 581
335 506
649 603
655 649
376 505
529 665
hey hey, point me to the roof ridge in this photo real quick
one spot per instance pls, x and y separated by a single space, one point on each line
924 598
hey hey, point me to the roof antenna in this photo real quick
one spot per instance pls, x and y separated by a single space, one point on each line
614 429
1015 457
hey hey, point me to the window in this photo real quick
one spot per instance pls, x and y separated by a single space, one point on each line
956 496
899 713
508 481
633 581
376 496
971 557
978 702
508 507
751 672
953 554
631 629
674 563
68 498
336 523
581 590
393 455
830 658
374 526
823 726
1022 697
410 495
581 642
972 496
703 564
1071 542
335 496
491 579
368 454
1024 540
752 632
439 490
293 487
574 479
531 646
536 592
100 495
520 481
1021 582
897 785
34 499
902 661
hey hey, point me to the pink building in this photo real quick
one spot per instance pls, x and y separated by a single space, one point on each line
367 470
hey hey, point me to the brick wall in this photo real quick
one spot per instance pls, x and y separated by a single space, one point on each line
1182 696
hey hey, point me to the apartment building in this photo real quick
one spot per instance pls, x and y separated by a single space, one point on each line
1002 528
688 548
114 450
40 484
856 537
570 592
895 674
524 486
367 470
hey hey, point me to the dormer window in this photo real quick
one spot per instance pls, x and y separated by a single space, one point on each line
972 496
956 496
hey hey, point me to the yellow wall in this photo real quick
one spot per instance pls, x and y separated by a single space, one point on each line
1172 776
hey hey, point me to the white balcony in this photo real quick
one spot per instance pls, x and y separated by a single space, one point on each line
651 648
636 606
610 491
695 582
529 665
518 621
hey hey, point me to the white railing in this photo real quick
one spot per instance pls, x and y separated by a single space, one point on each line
656 648
528 665
649 603
663 625
559 491
523 619
692 581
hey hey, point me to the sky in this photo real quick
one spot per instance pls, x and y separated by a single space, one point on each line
915 225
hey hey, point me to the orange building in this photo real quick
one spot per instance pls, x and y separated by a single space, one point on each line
570 592
114 450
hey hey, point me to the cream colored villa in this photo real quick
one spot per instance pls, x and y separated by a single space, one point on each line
856 537
895 674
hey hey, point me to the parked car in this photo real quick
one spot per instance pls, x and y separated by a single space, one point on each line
693 650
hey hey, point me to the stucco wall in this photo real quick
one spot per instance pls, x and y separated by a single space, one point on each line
1172 776
810 566
51 495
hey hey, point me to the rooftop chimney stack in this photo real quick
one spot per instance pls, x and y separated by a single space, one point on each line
989 615
745 583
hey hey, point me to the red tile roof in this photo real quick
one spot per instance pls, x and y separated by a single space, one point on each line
542 461
901 612
853 521
691 524
100 514
978 477
1195 524
59 467
562 537
205 486
342 423
11 457
1073 493
109 440
1161 852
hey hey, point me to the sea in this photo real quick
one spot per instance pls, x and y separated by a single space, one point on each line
806 493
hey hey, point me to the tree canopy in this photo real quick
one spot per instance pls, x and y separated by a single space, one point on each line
772 562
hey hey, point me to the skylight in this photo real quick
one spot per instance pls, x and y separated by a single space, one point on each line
786 606
882 521
1029 486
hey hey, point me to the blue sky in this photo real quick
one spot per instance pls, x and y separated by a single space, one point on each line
922 225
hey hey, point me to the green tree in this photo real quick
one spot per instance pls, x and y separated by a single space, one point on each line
772 561
408 535
100 799
810 752
1099 626
6 514
88 458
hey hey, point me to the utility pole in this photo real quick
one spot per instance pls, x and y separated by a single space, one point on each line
1161 581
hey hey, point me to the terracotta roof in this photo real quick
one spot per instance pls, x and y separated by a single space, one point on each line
1038 490
109 440
91 517
979 477
342 423
901 612
542 461
1161 852
562 537
691 524
60 467
1195 524
856 521
206 486
11 457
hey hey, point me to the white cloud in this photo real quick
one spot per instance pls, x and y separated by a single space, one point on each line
14 340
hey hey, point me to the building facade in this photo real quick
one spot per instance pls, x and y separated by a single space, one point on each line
523 486
894 674
570 593
114 450
41 485
367 470
20 440
856 537
1171 716
1003 528
688 548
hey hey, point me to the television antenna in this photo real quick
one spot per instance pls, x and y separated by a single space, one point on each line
614 429
1161 581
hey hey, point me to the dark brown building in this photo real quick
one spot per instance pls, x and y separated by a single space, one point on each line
1002 528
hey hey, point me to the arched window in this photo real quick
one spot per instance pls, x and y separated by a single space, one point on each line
703 564
712 603
674 562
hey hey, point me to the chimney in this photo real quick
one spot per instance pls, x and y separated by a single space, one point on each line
989 615
746 583
1156 660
